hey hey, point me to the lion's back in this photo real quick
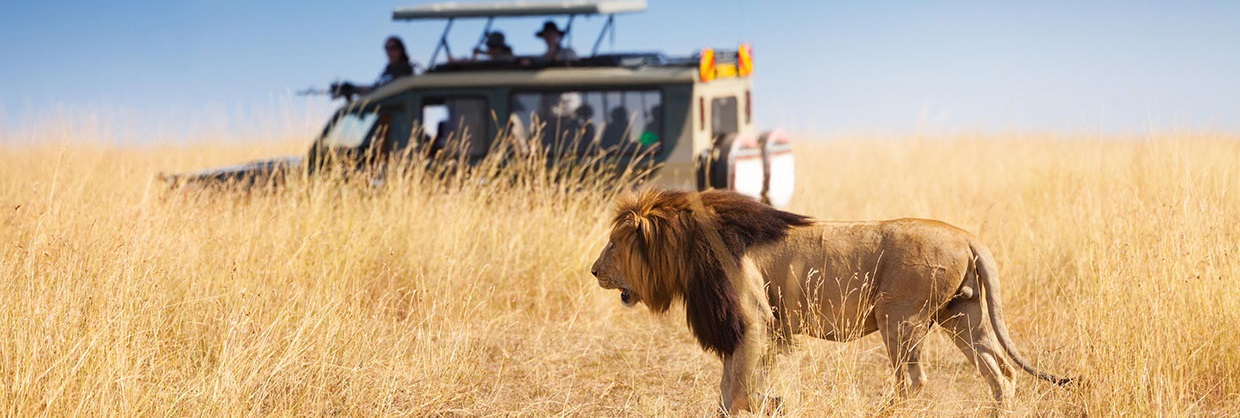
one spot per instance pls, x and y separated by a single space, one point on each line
926 238
848 248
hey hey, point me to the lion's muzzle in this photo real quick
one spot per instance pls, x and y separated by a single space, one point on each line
627 296
604 270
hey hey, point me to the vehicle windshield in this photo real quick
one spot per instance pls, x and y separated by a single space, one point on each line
351 129
613 121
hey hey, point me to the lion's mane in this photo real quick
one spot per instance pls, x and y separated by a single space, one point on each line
665 239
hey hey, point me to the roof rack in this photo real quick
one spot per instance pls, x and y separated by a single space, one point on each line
570 8
453 10
625 60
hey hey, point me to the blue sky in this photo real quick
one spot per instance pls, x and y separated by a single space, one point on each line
827 69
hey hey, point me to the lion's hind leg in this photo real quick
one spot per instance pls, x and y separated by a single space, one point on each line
964 320
903 336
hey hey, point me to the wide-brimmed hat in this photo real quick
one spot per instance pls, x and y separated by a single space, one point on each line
495 39
548 26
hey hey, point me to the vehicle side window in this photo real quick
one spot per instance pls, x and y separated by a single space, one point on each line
624 121
724 118
456 126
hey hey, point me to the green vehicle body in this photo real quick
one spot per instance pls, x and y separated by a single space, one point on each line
689 119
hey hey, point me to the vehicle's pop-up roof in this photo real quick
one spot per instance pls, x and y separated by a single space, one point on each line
452 10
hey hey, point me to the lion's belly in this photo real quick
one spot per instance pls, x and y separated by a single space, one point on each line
812 301
825 280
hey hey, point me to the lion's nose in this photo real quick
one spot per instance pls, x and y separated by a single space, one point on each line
594 272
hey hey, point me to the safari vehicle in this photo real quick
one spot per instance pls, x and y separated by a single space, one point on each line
690 118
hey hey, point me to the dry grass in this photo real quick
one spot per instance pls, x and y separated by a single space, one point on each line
1120 261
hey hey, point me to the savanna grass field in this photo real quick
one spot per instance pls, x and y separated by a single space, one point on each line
1119 261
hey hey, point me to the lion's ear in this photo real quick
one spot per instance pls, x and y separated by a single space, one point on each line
647 227
641 226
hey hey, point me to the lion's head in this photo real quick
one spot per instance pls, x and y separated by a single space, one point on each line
645 253
660 250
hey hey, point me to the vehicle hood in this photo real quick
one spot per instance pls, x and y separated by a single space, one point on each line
245 175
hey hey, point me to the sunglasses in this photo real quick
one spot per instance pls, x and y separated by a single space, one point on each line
392 47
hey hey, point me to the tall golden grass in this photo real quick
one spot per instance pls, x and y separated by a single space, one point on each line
1120 261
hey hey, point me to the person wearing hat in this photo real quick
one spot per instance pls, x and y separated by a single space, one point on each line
552 35
497 48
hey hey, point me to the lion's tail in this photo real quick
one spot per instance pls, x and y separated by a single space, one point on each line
988 272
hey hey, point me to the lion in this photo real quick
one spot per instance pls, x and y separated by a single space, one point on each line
751 276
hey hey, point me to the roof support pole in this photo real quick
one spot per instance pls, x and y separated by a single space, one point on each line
611 20
568 29
443 44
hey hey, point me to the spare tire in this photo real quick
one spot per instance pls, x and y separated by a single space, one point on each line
734 162
779 168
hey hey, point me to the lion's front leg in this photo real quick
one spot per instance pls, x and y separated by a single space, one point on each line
745 371
738 380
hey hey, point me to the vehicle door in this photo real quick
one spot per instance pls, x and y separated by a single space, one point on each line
457 124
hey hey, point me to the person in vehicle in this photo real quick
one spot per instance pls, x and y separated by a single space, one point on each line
398 66
582 130
442 135
654 120
497 48
617 129
552 35
398 61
